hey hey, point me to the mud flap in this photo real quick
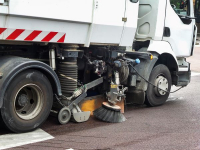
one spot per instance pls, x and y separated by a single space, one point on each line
81 116
135 97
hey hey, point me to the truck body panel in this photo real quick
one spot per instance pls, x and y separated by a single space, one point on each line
151 20
97 22
130 25
181 32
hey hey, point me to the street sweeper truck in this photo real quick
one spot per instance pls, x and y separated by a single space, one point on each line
58 57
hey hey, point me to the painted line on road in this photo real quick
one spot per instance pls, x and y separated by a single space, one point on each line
14 140
195 74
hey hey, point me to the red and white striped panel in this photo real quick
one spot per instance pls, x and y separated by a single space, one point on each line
31 35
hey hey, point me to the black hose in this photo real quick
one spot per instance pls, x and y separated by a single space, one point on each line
152 83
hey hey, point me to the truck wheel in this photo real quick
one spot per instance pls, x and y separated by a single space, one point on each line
27 101
160 77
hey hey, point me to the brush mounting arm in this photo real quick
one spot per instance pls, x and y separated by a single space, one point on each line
116 94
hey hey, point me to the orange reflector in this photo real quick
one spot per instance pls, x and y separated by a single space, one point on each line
151 57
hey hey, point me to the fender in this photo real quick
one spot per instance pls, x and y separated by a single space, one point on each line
136 95
10 66
181 76
162 47
144 68
156 48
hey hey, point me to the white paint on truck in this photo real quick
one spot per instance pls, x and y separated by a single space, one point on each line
75 17
181 33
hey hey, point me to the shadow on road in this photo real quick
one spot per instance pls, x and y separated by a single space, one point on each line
3 129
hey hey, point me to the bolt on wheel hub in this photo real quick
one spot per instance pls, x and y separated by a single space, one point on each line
23 100
162 86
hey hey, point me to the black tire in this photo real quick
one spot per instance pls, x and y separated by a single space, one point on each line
38 88
152 99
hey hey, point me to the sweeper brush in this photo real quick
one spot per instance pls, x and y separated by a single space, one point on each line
109 113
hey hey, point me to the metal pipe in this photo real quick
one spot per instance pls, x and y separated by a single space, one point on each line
117 80
52 59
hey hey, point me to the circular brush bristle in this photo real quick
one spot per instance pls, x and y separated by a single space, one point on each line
109 114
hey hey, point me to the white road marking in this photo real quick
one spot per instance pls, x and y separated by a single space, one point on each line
14 140
195 74
172 98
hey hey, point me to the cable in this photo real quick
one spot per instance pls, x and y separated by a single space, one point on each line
153 84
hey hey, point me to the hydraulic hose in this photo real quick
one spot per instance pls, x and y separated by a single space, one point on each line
152 83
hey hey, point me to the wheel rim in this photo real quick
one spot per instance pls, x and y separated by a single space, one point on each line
64 115
162 85
28 101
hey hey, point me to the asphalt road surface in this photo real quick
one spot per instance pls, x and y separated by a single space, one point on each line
175 125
